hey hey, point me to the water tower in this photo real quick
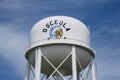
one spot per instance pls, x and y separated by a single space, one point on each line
59 47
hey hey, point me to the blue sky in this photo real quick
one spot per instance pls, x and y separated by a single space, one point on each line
18 16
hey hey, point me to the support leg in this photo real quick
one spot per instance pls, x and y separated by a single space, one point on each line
27 71
38 63
92 69
74 66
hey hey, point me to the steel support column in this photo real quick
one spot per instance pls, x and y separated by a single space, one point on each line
27 77
74 66
92 69
38 63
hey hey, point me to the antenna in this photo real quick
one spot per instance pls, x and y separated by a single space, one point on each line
59 50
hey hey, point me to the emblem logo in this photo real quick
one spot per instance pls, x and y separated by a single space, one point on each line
56 29
56 32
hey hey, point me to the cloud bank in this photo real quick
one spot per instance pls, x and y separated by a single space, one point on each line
12 46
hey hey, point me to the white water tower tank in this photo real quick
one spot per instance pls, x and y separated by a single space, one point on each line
56 35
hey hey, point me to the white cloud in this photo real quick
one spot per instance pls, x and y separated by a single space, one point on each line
108 67
107 61
12 46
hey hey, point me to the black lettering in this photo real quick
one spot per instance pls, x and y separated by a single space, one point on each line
61 22
51 23
47 25
44 30
56 21
67 29
64 25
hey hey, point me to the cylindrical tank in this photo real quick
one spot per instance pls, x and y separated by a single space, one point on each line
56 35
